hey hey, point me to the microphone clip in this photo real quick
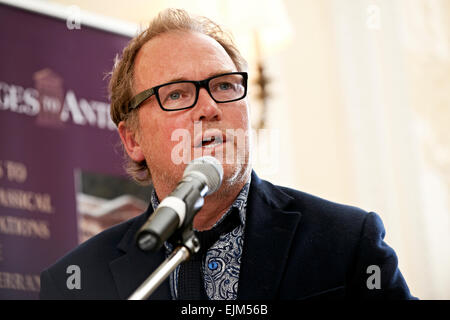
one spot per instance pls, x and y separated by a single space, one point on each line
187 244
186 237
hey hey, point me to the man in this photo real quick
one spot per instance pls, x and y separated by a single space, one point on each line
258 241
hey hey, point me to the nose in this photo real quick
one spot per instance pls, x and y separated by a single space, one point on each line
206 109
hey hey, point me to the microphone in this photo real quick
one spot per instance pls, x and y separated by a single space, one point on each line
201 177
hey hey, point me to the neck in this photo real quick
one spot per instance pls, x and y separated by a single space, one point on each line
217 204
215 207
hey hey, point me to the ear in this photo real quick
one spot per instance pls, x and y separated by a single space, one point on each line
130 142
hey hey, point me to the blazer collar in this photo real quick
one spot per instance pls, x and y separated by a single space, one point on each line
132 268
269 230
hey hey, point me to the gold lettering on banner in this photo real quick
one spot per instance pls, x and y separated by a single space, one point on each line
16 171
24 227
13 171
26 200
21 199
18 281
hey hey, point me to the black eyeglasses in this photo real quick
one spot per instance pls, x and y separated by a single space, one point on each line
179 95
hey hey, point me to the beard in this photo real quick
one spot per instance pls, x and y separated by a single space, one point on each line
165 178
234 179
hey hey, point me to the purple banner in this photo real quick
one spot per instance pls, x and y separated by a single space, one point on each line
54 128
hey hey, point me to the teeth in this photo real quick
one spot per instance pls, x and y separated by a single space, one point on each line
213 143
208 139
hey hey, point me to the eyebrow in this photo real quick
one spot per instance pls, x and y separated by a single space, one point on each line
212 74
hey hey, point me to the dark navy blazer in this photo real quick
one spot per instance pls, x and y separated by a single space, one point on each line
296 246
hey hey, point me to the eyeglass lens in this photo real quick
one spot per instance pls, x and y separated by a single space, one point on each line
183 94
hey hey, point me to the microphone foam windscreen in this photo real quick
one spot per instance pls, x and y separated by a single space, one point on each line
210 167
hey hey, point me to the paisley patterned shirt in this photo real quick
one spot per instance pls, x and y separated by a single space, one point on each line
223 259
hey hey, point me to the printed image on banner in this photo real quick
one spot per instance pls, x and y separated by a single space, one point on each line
104 201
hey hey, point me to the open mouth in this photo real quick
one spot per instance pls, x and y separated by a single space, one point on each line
210 139
211 142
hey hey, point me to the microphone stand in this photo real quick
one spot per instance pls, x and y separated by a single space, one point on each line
188 245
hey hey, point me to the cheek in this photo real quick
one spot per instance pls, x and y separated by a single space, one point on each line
239 117
164 141
155 134
160 141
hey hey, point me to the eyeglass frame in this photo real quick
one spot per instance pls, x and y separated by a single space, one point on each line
139 98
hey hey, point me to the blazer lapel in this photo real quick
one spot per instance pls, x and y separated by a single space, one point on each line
131 269
268 236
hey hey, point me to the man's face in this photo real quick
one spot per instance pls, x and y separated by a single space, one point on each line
188 56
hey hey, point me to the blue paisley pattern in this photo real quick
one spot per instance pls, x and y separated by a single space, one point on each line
222 264
223 260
